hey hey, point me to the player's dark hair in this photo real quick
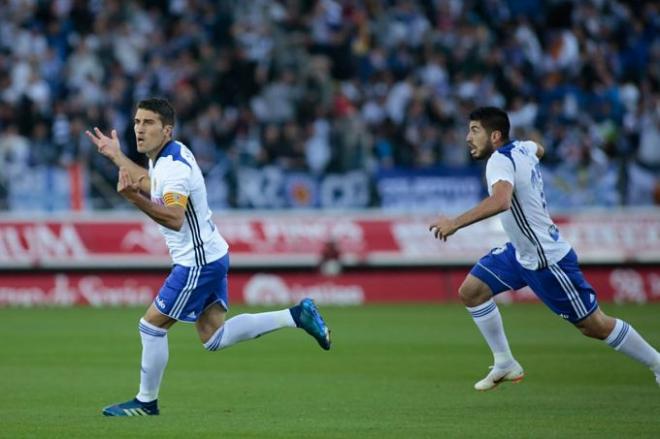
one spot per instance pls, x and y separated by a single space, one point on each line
492 119
161 107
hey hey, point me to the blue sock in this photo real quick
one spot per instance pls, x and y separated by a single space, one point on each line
295 313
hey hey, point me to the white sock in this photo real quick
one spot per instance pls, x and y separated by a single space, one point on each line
154 359
248 326
489 321
625 339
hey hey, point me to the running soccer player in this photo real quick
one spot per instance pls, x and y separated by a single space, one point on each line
536 255
173 193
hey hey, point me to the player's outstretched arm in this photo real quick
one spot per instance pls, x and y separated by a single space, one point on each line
109 147
499 201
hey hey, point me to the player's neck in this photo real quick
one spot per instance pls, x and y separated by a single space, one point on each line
501 143
152 155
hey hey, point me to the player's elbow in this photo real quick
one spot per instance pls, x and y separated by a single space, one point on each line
177 224
501 204
174 223
175 218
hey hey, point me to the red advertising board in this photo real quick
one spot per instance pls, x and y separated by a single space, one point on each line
631 284
296 240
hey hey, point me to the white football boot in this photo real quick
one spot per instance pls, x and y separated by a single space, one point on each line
513 373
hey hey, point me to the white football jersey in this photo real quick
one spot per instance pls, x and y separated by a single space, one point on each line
175 171
528 224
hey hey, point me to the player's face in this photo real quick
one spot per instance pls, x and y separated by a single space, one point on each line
478 141
150 132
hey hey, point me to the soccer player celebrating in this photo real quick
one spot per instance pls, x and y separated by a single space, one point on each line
173 193
536 255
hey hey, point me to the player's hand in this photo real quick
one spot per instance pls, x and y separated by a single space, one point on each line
126 186
107 146
443 227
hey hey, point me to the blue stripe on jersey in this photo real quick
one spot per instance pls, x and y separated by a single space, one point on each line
517 216
506 151
198 245
527 230
194 236
173 149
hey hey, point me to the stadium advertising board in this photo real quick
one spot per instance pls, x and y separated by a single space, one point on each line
271 187
432 190
260 241
108 288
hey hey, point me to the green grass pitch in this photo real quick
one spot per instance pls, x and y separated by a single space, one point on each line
394 372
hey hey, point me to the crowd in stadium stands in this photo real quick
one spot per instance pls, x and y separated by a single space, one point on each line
331 85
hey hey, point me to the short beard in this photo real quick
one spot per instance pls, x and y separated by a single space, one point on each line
487 151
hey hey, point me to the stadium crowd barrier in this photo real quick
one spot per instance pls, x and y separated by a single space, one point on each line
278 257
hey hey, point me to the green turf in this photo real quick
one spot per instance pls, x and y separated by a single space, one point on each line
393 372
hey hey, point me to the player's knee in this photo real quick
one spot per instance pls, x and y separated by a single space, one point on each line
471 296
587 331
595 329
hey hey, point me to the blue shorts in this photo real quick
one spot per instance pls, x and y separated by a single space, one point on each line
561 286
188 291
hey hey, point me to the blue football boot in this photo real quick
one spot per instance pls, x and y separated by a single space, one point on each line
311 321
133 408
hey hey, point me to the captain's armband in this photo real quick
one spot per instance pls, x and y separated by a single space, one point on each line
174 199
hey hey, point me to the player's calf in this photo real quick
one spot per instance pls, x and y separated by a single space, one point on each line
247 327
598 325
622 337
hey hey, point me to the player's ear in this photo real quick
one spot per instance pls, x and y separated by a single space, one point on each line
495 135
168 130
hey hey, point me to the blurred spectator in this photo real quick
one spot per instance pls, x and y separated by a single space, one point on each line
332 86
330 263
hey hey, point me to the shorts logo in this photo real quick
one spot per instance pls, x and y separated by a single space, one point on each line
564 316
160 302
498 250
192 315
